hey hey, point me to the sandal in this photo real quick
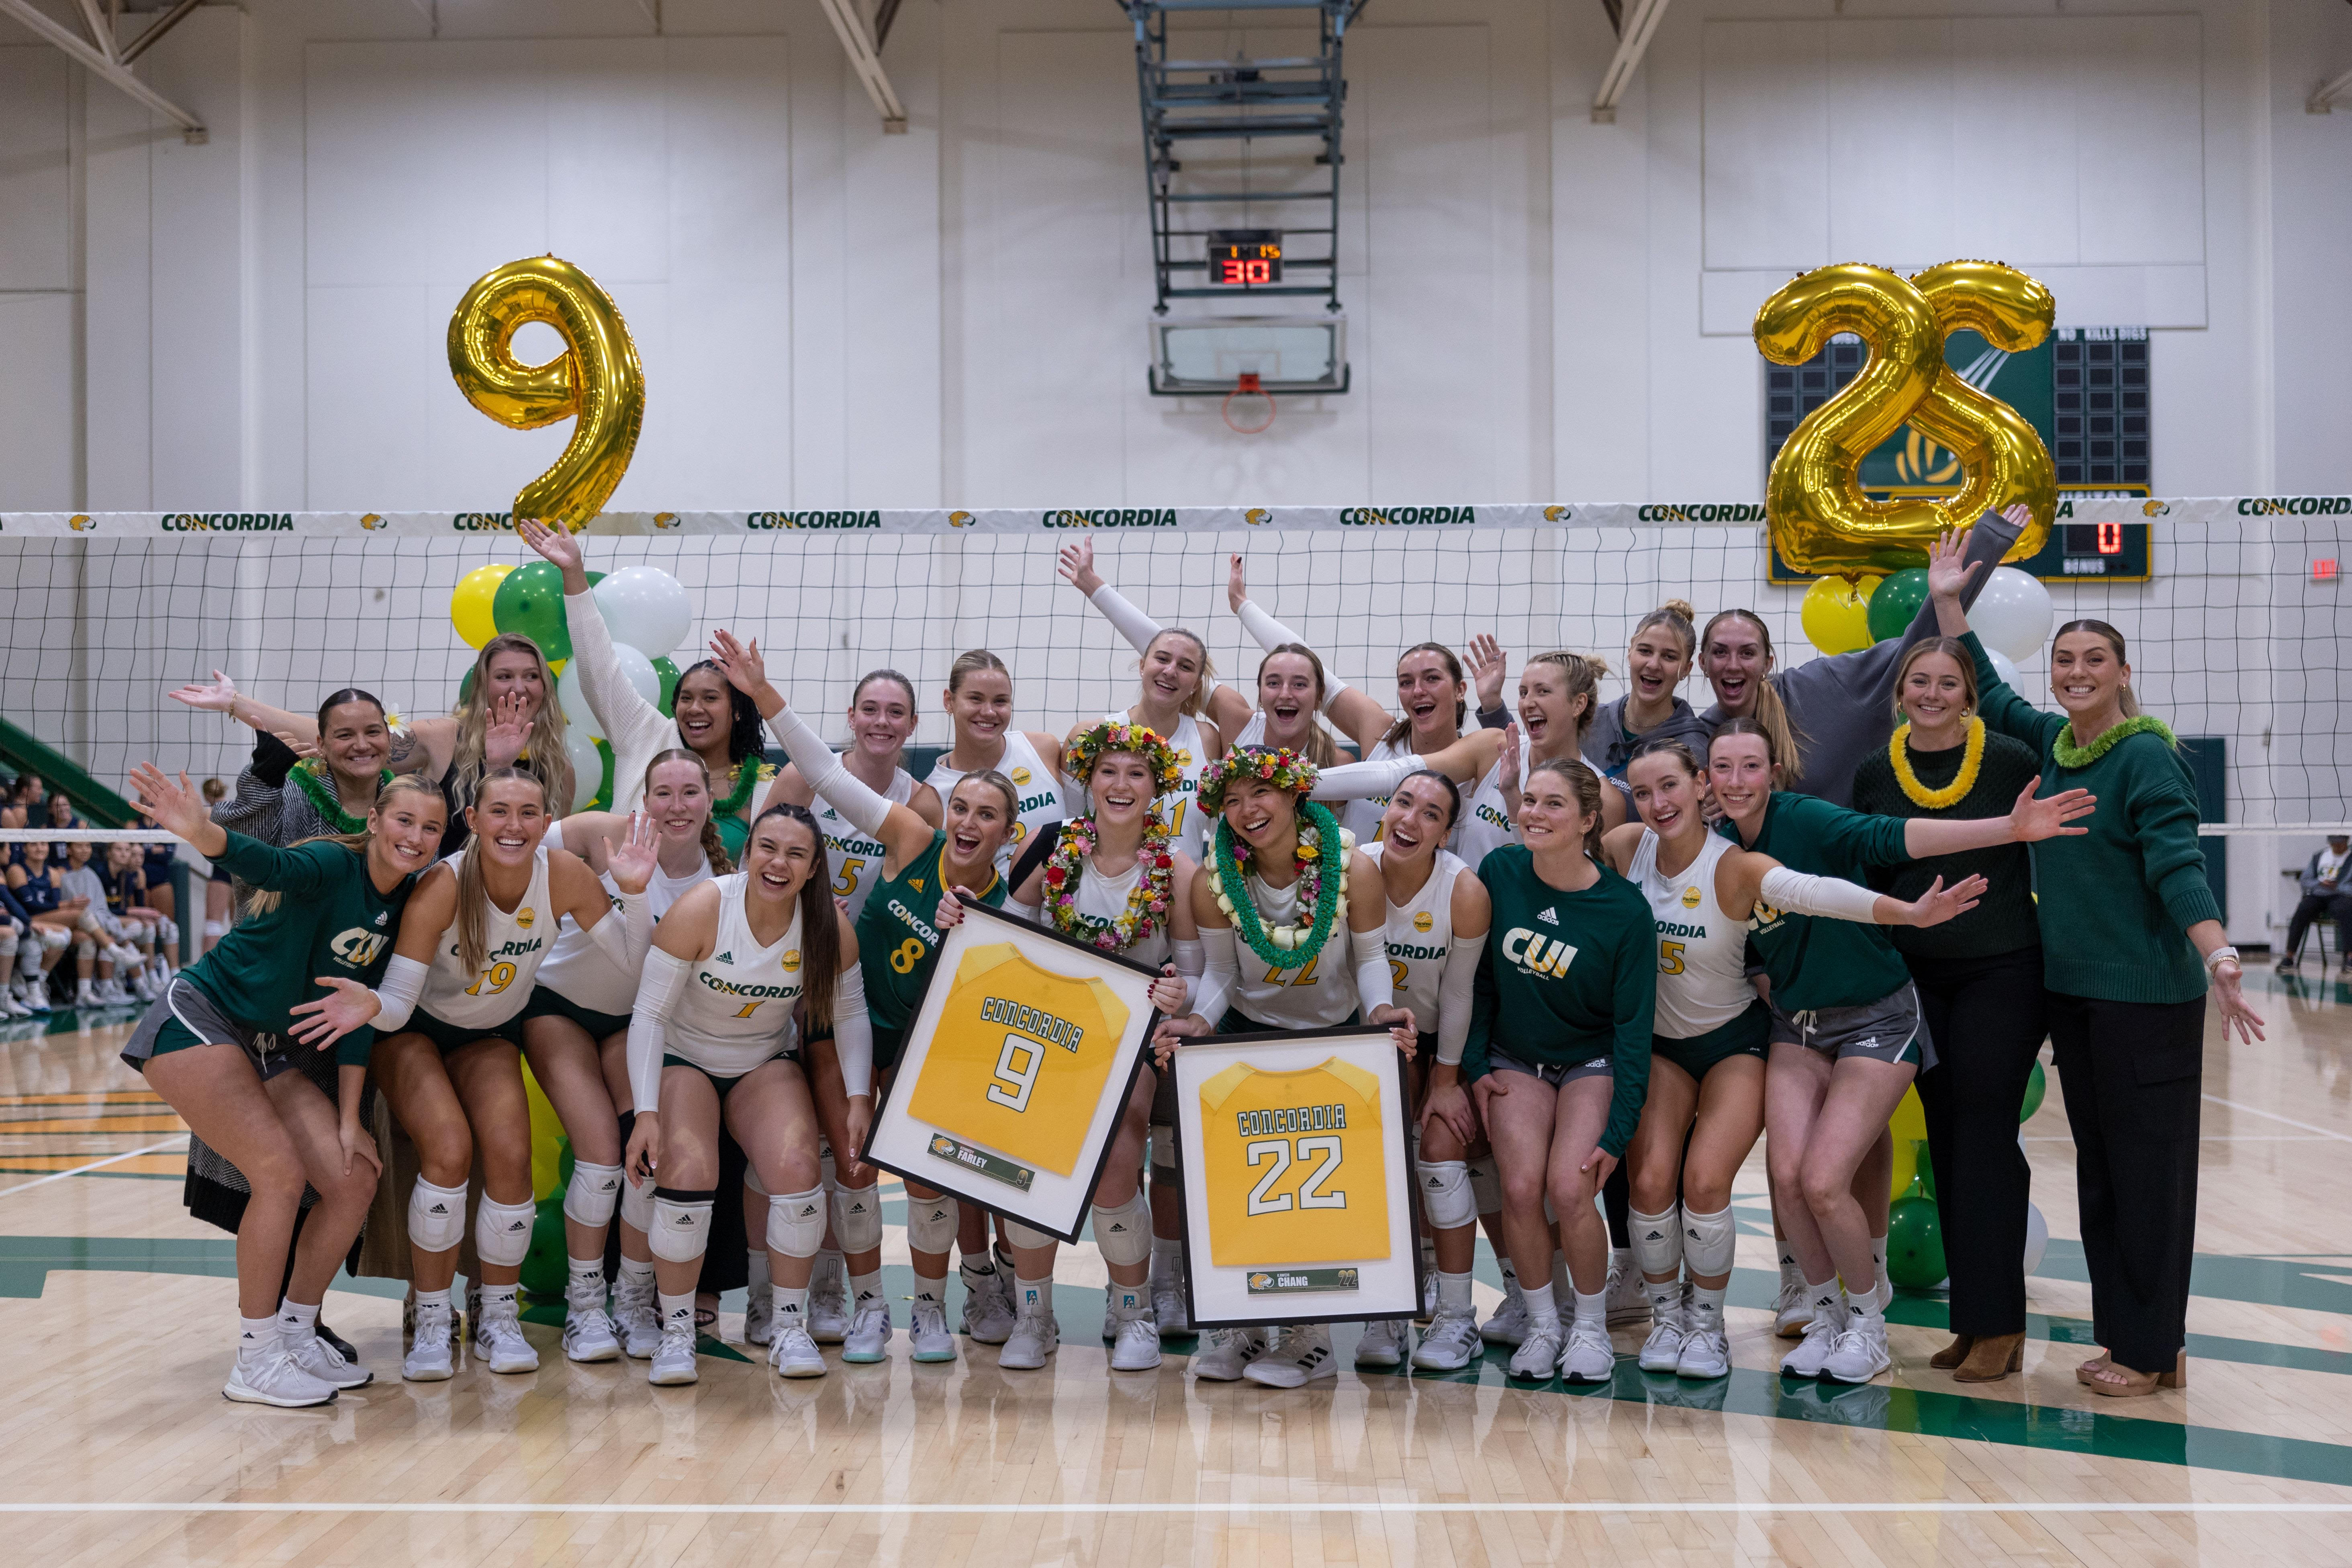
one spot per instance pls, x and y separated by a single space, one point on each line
2082 1374
704 1316
1952 1354
1991 1359
2138 1383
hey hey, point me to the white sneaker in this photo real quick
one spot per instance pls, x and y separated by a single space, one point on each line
1663 1351
274 1377
429 1358
111 993
325 1363
1805 1361
759 1313
869 1333
1791 1311
927 1333
1306 1355
1508 1326
86 994
1385 1344
1706 1353
637 1315
498 1343
1628 1303
1858 1355
1230 1353
795 1354
1587 1357
588 1333
673 1358
1538 1357
828 1301
10 1007
1167 1305
988 1310
1035 1335
1450 1342
35 997
1137 1348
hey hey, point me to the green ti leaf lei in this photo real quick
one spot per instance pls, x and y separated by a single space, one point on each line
310 778
2072 757
1319 838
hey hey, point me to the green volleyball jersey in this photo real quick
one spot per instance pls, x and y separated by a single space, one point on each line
897 946
1816 963
330 921
1566 977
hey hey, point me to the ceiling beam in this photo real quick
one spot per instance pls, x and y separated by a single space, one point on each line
154 34
102 64
1633 40
2324 100
868 62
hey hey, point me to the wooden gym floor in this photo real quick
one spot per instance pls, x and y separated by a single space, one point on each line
116 1446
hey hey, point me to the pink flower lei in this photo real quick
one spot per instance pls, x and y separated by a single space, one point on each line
1147 903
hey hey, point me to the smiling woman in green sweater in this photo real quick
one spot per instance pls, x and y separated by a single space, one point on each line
2129 914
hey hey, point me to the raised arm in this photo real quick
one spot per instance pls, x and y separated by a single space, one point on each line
631 723
1359 718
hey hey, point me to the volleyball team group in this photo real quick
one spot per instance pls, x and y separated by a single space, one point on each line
1619 941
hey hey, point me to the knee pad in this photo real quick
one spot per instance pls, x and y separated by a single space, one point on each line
858 1217
681 1227
1485 1187
1123 1235
436 1217
637 1205
54 937
933 1222
796 1222
1711 1241
1445 1195
752 1179
1657 1240
502 1232
167 929
85 950
214 931
28 947
593 1192
1020 1235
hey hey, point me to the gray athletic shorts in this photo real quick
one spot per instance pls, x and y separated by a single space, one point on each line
1887 1030
1557 1074
184 1016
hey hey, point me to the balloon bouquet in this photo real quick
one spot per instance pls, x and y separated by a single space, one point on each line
1915 1229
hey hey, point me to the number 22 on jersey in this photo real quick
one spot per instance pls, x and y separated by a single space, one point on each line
1294 1166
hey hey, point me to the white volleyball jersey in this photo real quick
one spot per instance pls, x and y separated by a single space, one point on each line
1180 806
1104 899
1702 953
1362 817
514 943
1419 932
1318 994
853 854
1485 825
734 1009
580 972
1037 782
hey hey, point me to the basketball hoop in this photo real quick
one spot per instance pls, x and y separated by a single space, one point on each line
1252 396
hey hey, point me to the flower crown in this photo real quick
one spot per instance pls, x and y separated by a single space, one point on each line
1277 766
1167 763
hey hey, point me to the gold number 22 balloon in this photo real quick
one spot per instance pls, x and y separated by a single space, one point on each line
1820 520
597 379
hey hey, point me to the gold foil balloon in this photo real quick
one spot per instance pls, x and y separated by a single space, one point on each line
1818 518
2005 460
597 379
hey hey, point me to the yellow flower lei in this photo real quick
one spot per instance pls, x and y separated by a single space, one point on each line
1971 760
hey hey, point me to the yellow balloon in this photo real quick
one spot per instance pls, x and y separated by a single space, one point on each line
1836 613
469 603
597 379
1909 1126
2005 460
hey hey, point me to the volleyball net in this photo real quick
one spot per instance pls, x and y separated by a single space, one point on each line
2239 634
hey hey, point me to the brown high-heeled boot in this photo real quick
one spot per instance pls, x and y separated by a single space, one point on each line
1952 1354
1991 1359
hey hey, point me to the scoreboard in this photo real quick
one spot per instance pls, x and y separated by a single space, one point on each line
2077 552
1245 257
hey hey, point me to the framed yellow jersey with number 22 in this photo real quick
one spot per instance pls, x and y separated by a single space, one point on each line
1294 1166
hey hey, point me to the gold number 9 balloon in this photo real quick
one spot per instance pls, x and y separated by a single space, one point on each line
597 378
1820 520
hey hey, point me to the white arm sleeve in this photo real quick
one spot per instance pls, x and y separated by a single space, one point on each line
1361 780
852 1032
1454 995
1826 897
625 941
1033 913
635 727
1272 633
1375 981
396 993
1219 968
1191 962
857 804
656 990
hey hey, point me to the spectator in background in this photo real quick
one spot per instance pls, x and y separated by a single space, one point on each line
16 925
61 816
102 943
39 887
2325 891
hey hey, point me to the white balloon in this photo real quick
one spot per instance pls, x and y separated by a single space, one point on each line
579 718
2013 613
638 671
2007 669
2037 1237
646 608
587 767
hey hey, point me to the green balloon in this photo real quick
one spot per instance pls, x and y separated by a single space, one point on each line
2036 1086
668 670
1892 608
466 686
595 577
603 800
1926 1167
545 1270
530 603
1914 1244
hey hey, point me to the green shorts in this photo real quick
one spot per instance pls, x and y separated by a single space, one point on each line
546 1002
184 1017
449 1037
888 1045
725 1086
1560 1075
1745 1035
1889 1030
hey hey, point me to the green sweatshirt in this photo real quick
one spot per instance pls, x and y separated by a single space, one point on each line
1566 977
898 947
2003 920
329 922
1817 964
2117 902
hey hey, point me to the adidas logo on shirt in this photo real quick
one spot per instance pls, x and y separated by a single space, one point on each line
379 917
724 958
1549 918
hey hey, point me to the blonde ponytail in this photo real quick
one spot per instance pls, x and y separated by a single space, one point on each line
265 900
